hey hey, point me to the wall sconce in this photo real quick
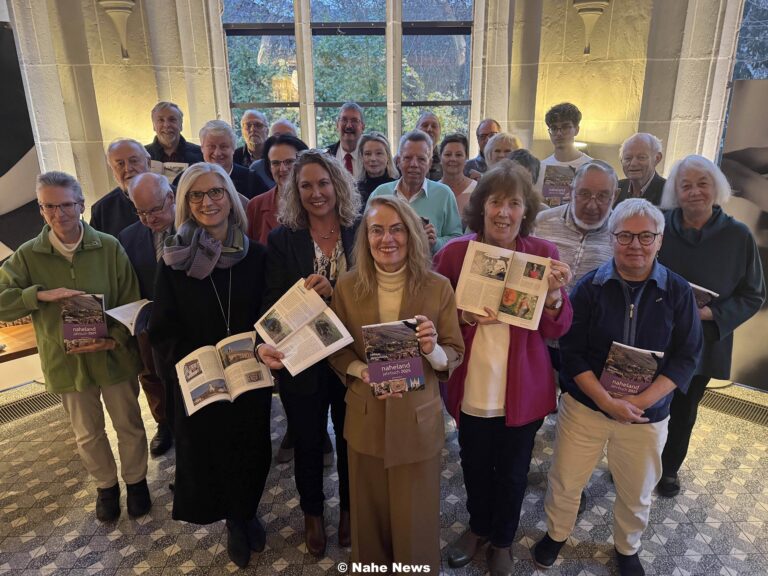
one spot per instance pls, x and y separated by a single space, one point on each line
590 12
119 11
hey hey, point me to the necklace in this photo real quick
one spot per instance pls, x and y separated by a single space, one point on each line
229 301
327 236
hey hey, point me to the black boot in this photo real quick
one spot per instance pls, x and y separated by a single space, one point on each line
238 548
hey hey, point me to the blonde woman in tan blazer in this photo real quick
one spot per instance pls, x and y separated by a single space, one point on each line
394 442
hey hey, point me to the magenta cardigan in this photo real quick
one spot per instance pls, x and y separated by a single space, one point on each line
530 379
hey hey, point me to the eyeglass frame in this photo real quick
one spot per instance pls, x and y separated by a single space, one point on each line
634 235
144 214
562 129
50 209
587 197
288 163
221 190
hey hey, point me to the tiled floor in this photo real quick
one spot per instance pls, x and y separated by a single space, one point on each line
718 525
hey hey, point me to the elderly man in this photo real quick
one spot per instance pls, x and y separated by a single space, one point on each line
434 202
349 125
217 139
261 181
254 127
485 130
169 145
429 122
111 214
640 154
143 241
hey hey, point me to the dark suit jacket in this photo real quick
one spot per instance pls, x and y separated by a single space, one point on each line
113 213
652 193
333 148
185 152
260 181
242 178
138 244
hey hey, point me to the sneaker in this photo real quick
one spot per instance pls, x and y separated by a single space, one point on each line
629 565
108 503
238 548
546 551
464 548
161 441
257 536
668 486
139 502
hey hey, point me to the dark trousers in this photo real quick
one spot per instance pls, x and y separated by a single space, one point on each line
495 459
150 381
682 418
308 419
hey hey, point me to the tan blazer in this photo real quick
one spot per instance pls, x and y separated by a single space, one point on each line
398 430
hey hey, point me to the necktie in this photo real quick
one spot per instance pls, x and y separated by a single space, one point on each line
159 240
348 163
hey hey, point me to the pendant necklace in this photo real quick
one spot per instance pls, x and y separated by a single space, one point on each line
229 301
327 236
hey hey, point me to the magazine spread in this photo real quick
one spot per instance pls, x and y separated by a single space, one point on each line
221 372
168 169
512 283
303 328
556 186
83 321
702 295
394 358
134 316
628 370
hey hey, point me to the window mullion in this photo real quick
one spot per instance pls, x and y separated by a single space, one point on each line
394 43
305 70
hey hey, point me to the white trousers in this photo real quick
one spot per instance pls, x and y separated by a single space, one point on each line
634 459
86 414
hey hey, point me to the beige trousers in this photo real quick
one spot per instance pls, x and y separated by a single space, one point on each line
634 459
86 414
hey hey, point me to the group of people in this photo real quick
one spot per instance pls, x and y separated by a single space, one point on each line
382 237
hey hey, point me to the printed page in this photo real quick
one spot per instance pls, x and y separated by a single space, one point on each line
242 369
481 282
201 379
297 307
629 370
394 357
320 338
168 169
133 315
525 291
556 187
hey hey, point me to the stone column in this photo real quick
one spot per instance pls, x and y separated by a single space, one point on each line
524 69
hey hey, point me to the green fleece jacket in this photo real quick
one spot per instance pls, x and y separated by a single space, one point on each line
99 266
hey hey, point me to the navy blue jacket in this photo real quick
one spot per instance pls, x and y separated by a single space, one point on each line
113 213
138 244
664 318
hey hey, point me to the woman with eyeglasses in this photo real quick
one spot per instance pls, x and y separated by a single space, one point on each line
375 155
636 301
279 156
318 212
211 287
69 258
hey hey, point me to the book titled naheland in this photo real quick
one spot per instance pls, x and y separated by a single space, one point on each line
83 321
394 357
629 370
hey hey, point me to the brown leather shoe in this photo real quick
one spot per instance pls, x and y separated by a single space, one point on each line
314 534
345 529
499 561
463 549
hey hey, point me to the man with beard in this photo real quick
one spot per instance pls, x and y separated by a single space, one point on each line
169 145
350 126
254 128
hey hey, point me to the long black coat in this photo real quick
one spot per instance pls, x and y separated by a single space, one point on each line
223 451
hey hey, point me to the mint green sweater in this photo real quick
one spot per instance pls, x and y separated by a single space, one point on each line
99 266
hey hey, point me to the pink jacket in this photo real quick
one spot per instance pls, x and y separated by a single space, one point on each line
530 379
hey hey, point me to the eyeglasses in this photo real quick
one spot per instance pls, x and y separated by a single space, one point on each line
599 197
215 194
394 230
275 164
68 208
144 214
562 128
645 238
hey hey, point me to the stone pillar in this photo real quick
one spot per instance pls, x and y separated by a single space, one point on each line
524 69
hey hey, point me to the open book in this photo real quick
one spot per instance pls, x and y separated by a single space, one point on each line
221 372
556 186
513 283
83 321
303 328
702 295
394 358
134 316
628 370
170 170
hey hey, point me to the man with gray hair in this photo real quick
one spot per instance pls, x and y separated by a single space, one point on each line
153 199
350 125
217 140
254 127
114 212
485 130
640 154
429 122
169 145
431 200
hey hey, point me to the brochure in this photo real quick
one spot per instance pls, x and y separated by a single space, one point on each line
556 186
83 321
394 357
702 295
628 370
134 316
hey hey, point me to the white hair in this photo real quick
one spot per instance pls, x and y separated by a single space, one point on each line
722 187
635 207
650 140
217 128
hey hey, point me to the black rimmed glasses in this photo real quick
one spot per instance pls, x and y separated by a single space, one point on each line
68 208
645 238
275 164
215 194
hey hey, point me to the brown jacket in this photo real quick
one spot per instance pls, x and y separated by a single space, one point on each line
398 430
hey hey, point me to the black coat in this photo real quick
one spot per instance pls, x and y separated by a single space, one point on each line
113 213
652 193
722 257
223 451
185 152
139 245
260 181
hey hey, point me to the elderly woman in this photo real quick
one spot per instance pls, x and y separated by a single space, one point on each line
377 167
318 213
69 258
636 301
500 147
394 441
711 249
279 156
211 287
501 394
454 150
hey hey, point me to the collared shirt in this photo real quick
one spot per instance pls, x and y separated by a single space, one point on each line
341 155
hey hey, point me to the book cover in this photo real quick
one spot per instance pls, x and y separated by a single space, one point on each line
702 295
628 370
394 358
83 320
556 187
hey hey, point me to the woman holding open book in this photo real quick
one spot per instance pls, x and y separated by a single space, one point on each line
318 213
503 391
712 250
211 287
394 440
635 338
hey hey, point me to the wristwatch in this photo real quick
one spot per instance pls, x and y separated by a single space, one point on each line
556 305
